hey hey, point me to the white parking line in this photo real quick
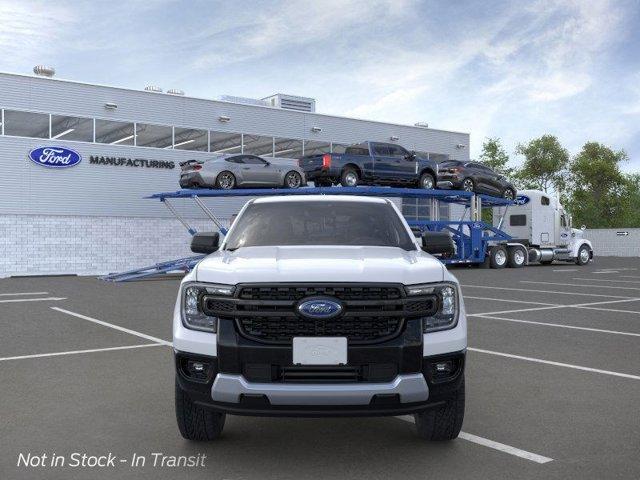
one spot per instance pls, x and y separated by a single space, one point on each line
111 325
575 305
629 276
75 352
560 325
23 293
485 442
581 285
606 280
555 364
566 270
46 299
511 301
529 290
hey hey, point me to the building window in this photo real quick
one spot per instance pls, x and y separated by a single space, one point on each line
158 136
114 133
258 145
71 128
419 209
190 139
224 142
312 147
26 124
287 148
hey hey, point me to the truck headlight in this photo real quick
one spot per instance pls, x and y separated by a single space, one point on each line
192 314
446 316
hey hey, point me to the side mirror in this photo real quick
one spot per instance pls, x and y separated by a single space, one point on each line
438 243
267 163
206 242
410 156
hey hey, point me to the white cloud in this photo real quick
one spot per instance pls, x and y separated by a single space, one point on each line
30 27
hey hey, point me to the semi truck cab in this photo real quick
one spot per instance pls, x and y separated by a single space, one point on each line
540 223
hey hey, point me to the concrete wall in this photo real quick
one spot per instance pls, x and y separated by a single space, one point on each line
609 242
51 245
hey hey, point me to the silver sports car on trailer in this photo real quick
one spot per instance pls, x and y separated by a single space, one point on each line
241 170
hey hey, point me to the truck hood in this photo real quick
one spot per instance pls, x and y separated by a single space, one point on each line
320 264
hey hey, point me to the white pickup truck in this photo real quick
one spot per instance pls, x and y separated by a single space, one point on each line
318 306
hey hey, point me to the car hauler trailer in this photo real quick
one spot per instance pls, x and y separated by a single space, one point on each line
476 242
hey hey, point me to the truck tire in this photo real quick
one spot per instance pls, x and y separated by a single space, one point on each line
349 177
498 257
427 181
584 255
443 423
517 257
196 422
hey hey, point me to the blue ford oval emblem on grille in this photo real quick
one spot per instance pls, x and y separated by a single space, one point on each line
320 308
55 157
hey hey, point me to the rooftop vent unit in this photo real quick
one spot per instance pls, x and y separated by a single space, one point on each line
44 71
422 124
153 88
175 91
292 102
244 100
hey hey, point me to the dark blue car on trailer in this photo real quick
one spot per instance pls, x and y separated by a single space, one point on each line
371 163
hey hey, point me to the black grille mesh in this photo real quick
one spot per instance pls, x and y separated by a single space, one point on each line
371 312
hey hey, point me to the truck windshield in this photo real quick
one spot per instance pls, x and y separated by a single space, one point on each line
319 223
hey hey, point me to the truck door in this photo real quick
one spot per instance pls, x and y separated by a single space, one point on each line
563 232
546 227
403 164
382 161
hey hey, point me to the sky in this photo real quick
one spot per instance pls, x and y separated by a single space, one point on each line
514 70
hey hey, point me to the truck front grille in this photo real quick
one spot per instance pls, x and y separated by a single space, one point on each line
356 329
371 312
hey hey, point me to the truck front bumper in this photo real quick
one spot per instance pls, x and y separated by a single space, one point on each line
406 394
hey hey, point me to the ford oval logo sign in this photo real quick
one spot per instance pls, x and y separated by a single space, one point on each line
521 200
320 308
55 157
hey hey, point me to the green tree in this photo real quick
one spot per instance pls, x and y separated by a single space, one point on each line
495 156
632 214
545 164
600 194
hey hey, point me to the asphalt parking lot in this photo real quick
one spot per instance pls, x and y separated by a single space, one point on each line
553 386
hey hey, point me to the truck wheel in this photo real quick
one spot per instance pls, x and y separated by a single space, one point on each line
349 178
517 257
196 422
226 180
442 423
583 255
427 182
498 257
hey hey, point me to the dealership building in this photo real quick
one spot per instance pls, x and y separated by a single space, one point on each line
93 218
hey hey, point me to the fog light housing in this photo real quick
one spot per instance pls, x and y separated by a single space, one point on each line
197 370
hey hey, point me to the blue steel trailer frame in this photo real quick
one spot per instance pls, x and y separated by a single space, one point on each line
472 237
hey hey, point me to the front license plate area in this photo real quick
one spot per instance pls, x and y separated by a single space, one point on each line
319 350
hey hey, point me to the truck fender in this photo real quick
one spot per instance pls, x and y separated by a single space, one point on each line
354 166
578 244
